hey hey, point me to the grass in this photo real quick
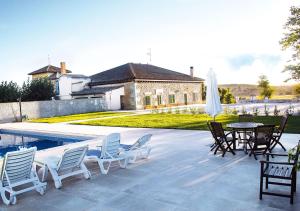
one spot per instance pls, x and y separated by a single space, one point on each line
186 121
79 117
283 97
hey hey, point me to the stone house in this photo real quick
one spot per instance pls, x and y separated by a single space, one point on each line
143 86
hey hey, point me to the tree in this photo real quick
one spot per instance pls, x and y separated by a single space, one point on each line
37 89
297 89
264 86
9 92
226 96
291 40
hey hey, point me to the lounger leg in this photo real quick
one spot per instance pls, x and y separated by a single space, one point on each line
12 198
102 169
57 180
124 164
44 172
86 172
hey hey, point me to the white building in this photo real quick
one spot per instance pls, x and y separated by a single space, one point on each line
68 83
111 94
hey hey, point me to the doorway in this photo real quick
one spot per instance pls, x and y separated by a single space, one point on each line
185 99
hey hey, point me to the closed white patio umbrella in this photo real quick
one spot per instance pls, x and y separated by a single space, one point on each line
213 105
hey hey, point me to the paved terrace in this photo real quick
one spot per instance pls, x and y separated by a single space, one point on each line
181 174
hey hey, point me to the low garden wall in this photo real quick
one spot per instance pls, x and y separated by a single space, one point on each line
10 112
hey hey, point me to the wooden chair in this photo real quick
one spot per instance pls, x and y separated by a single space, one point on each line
214 145
272 171
223 142
278 133
243 135
261 141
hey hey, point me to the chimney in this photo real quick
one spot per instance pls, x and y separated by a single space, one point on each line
192 71
63 70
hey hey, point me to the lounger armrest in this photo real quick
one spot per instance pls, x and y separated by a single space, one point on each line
279 163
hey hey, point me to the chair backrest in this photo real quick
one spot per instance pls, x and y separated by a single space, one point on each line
111 146
217 130
17 166
283 122
72 158
142 141
264 132
246 118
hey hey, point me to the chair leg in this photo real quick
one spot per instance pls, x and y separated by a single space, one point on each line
261 182
267 182
292 194
230 149
281 146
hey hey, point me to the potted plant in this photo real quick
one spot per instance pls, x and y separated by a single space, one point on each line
292 153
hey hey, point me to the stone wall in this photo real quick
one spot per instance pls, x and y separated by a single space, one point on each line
10 112
164 89
129 96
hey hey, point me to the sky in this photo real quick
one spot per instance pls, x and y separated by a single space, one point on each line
239 39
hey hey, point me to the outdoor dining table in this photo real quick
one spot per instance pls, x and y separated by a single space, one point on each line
244 127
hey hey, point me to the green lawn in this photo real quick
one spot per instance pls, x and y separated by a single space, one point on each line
186 121
79 117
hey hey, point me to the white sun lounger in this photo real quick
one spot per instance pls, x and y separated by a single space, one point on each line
67 165
110 152
140 149
17 170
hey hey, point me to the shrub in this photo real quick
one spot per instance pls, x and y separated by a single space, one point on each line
276 111
235 111
266 110
193 111
9 92
37 89
255 111
244 110
290 110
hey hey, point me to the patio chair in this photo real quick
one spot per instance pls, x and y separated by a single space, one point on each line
243 135
109 152
223 141
67 165
273 171
260 143
278 133
214 145
17 170
140 149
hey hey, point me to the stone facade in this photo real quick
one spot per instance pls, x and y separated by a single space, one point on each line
129 99
184 92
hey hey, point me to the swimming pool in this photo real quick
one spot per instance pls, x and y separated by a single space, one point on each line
12 140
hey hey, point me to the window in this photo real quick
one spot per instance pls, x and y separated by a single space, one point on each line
147 100
171 99
158 99
195 97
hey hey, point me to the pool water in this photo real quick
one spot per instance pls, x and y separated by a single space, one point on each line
15 140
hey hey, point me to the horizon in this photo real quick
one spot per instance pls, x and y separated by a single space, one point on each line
98 35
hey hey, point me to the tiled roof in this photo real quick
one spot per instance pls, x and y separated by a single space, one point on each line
96 90
131 71
47 69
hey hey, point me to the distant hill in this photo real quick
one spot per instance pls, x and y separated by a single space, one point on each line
246 90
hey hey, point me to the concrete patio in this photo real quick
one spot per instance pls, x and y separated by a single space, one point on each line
181 174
